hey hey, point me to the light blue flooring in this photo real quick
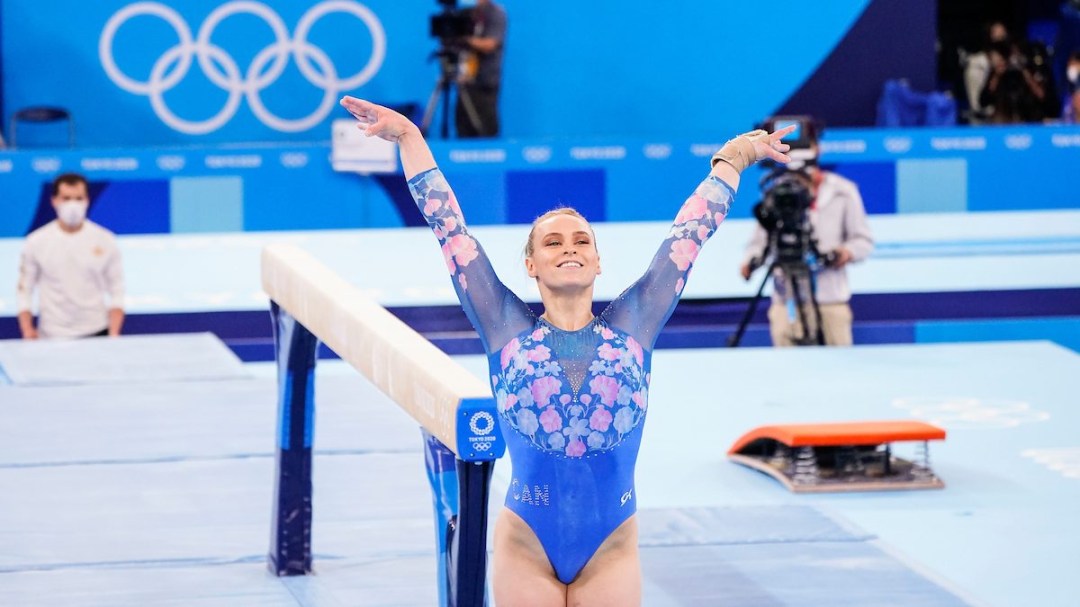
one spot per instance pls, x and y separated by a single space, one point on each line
156 490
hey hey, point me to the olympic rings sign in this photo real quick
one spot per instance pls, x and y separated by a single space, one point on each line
228 76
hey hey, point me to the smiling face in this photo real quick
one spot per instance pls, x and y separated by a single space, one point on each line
562 254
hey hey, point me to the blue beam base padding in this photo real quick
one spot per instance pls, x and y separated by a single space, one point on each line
460 492
295 348
442 474
468 551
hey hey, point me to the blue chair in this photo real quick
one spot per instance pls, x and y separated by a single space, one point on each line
42 115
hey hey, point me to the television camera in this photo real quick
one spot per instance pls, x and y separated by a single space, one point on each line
783 212
450 27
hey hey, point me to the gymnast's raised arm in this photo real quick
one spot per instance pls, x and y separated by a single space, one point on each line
495 312
384 123
645 306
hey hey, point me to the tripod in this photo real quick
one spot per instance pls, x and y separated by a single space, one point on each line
448 64
801 276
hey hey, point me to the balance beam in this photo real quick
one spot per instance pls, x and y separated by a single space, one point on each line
455 409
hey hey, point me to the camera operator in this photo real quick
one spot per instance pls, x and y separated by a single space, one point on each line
837 222
481 75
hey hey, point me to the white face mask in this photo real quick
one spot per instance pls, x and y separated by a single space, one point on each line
72 212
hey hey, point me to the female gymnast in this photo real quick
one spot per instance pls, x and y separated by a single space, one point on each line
571 388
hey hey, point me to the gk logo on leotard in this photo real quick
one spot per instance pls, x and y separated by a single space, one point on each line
222 70
538 495
626 497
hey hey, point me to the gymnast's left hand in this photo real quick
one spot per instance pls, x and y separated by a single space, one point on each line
772 147
379 121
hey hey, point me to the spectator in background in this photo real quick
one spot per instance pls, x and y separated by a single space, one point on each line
1071 114
977 69
1038 58
1072 84
1013 93
477 112
74 265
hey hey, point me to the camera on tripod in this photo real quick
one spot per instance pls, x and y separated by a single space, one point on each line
457 64
787 195
452 24
783 212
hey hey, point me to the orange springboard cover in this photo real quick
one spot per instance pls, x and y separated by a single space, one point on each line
841 433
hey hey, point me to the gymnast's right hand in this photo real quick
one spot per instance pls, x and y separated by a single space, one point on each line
378 121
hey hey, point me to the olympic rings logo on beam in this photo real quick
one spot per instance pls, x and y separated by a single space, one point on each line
228 76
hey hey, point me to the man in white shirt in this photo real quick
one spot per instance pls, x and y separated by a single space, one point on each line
842 230
75 266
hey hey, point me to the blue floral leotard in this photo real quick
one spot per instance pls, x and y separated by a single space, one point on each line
572 403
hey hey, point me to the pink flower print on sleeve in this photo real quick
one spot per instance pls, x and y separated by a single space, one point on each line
695 207
607 388
463 281
538 335
463 248
453 203
433 204
449 257
551 420
703 233
607 333
635 349
539 354
679 284
508 352
543 388
449 224
683 252
600 419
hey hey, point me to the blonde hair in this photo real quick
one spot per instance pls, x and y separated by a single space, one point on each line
552 213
